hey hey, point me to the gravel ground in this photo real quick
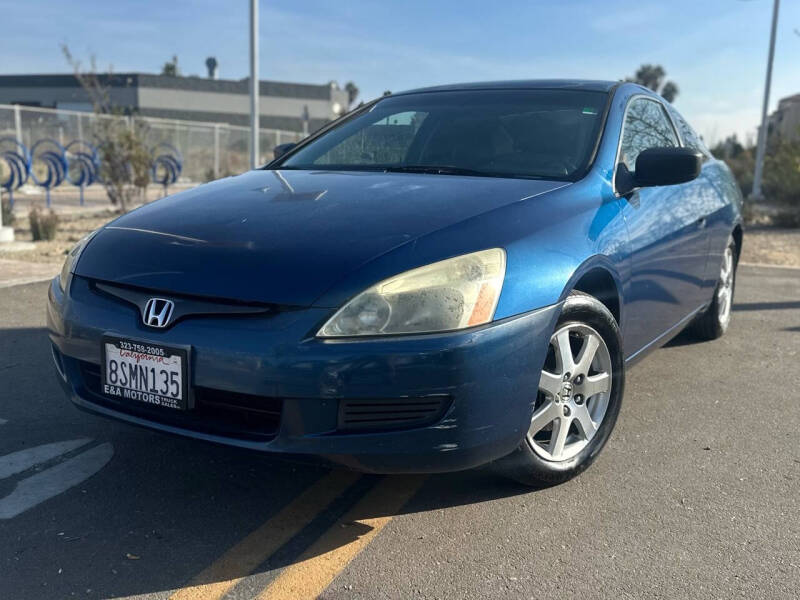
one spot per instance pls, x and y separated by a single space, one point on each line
772 246
72 227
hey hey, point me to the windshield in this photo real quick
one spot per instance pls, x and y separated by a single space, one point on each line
543 134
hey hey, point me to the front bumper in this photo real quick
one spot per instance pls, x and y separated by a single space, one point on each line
486 379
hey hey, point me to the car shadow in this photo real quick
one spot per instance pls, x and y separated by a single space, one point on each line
684 338
766 305
164 508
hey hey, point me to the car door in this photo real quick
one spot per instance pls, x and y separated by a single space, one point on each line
715 191
667 234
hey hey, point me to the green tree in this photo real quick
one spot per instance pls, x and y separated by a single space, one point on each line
653 78
728 148
740 159
170 67
781 183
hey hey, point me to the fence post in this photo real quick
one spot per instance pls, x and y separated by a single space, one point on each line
18 123
6 233
216 151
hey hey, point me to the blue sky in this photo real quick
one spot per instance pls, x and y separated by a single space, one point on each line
714 49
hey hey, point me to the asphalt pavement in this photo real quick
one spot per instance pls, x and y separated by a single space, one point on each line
697 494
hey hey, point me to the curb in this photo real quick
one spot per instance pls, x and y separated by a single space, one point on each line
19 272
23 281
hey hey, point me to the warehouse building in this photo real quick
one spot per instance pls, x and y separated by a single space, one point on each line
785 121
287 106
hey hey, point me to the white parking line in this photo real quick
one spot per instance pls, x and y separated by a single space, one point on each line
55 480
17 462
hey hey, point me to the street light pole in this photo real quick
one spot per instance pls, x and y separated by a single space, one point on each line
254 85
762 132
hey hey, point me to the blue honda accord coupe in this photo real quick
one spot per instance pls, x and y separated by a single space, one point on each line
442 278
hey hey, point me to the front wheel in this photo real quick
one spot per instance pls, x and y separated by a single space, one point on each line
578 399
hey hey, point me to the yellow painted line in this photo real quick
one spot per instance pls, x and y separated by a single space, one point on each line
245 557
330 554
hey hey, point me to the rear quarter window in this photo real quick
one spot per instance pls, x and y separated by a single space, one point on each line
689 135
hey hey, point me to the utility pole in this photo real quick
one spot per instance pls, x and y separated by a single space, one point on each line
254 85
762 132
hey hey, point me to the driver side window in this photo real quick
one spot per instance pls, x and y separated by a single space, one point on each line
646 126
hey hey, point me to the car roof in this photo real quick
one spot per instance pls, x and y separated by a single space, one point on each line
522 84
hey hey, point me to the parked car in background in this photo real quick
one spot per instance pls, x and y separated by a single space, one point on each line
443 278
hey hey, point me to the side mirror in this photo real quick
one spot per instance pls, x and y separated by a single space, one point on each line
660 166
282 149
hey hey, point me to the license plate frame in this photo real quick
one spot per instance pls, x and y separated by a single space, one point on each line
155 400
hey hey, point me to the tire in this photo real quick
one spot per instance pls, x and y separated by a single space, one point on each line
548 455
713 322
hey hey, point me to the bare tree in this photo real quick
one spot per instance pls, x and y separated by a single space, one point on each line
120 140
653 77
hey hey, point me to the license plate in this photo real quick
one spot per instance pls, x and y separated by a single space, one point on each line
144 372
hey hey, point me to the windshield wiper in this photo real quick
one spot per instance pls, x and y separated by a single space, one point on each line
437 170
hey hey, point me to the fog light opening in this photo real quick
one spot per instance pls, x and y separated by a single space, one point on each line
58 362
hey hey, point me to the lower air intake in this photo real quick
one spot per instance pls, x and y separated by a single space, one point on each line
381 414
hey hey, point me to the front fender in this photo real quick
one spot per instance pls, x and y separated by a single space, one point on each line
550 240
588 233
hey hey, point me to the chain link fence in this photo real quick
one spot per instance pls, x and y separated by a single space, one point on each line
209 150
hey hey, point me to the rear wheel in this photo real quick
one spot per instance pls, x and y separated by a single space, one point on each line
578 399
714 321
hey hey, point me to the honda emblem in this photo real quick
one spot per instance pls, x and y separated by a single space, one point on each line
158 312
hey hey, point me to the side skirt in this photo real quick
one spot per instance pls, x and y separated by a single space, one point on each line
663 338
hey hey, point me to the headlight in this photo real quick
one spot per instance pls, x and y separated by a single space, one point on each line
451 294
72 260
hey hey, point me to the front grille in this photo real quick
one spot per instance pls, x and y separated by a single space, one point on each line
216 412
387 414
184 306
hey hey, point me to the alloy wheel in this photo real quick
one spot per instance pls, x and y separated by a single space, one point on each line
574 391
725 289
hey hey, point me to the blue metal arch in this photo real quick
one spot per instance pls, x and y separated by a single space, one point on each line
167 164
18 159
83 164
54 157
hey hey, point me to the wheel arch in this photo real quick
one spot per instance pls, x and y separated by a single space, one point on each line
598 278
738 238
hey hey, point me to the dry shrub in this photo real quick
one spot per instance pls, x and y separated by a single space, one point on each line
44 225
7 212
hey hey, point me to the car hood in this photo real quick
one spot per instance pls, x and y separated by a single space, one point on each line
285 237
